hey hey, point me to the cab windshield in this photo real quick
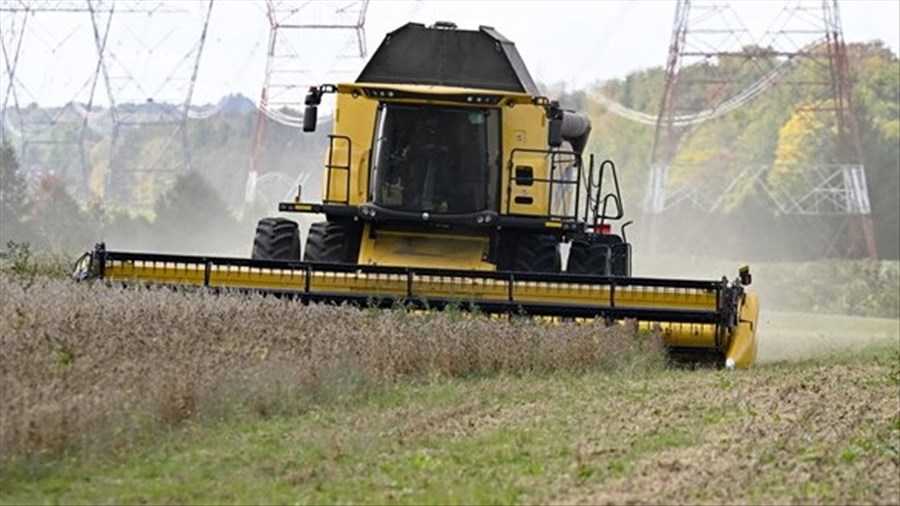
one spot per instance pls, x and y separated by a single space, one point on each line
436 159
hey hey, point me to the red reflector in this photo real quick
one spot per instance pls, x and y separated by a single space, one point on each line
603 229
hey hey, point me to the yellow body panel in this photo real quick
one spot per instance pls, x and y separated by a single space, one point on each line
687 335
412 249
355 119
436 91
742 350
523 123
524 127
422 285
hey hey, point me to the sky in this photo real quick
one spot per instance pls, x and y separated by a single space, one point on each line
150 56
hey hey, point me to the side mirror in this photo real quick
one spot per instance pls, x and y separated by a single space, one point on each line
744 275
310 115
554 130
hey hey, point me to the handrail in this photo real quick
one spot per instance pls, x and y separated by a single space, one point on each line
617 196
552 154
330 166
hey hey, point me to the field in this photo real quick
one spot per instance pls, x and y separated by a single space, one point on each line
125 396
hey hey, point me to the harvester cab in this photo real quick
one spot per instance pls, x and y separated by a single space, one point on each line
450 179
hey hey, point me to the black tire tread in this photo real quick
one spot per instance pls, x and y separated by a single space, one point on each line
536 253
585 258
276 239
332 242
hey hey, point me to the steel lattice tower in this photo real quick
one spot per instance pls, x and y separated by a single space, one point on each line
289 74
130 102
715 66
51 137
136 103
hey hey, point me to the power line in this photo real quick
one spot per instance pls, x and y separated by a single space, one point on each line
287 75
711 58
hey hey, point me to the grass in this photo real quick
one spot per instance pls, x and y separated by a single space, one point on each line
87 369
142 395
789 336
17 260
824 430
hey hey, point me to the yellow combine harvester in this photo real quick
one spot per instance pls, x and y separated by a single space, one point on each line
449 179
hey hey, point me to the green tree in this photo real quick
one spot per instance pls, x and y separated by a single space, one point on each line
806 139
877 85
13 196
57 220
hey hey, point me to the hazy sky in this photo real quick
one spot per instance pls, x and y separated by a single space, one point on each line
575 42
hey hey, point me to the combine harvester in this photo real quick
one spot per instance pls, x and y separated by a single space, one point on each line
449 179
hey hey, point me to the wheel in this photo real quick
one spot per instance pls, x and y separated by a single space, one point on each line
332 242
610 256
620 263
276 239
585 258
535 253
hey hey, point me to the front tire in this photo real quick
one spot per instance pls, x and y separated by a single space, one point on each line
333 242
276 239
535 253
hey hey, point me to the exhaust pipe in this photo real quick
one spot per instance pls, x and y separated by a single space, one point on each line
576 128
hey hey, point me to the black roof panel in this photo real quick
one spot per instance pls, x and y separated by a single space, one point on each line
416 54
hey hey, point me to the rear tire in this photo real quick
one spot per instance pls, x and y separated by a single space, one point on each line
276 239
585 258
609 256
535 253
332 242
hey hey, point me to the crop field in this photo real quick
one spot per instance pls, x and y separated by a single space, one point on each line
142 395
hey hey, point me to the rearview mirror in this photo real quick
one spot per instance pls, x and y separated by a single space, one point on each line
554 129
310 115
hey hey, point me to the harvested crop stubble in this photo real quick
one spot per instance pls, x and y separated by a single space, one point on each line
88 366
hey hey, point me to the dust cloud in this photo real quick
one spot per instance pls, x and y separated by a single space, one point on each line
785 336
808 307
